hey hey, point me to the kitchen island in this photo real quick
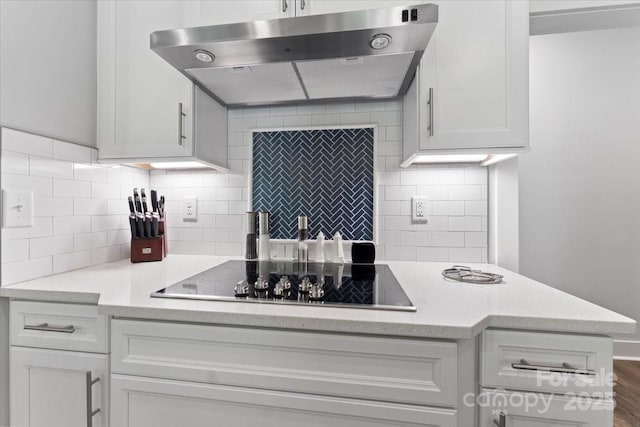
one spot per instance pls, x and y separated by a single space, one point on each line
270 364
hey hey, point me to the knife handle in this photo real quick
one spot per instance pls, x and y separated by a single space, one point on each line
132 224
132 208
155 226
154 200
140 225
147 226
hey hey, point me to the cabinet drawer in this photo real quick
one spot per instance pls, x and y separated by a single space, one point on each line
58 326
544 362
388 369
150 402
526 409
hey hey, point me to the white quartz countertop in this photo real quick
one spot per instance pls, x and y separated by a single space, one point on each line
445 309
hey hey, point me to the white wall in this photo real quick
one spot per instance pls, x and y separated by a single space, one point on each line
48 68
456 232
80 208
580 184
553 5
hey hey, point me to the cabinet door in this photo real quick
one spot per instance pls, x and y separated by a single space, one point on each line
478 66
215 12
318 7
139 92
147 402
522 409
51 388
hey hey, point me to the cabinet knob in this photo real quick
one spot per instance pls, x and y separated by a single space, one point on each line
90 381
181 116
285 6
502 421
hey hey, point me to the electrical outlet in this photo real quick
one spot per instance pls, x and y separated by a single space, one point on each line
190 209
419 209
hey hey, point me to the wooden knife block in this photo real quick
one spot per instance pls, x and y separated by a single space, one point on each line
150 248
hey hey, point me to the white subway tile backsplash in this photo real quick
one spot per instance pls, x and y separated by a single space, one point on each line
15 163
72 152
270 122
442 207
106 254
79 212
90 206
85 241
27 143
82 172
432 254
71 261
45 246
465 223
454 193
15 250
41 186
108 222
41 166
448 239
465 254
465 192
71 188
476 239
476 207
416 238
41 227
14 272
71 224
296 121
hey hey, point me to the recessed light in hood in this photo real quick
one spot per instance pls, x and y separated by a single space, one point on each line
204 56
284 50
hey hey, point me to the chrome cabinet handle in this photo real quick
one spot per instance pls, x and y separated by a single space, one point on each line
285 6
502 422
181 116
564 369
90 411
430 104
69 329
303 3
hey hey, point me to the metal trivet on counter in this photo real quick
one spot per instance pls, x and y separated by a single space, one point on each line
464 274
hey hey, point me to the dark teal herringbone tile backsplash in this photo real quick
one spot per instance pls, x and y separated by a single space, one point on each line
324 174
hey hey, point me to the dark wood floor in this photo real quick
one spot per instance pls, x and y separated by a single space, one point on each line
627 393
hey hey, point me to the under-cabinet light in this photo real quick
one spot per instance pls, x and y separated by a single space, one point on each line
495 158
451 158
178 165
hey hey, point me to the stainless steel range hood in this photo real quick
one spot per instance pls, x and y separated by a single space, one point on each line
368 54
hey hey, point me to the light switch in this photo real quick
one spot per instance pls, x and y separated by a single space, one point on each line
17 208
419 209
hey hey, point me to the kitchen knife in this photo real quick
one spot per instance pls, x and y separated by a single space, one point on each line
132 224
147 225
144 201
154 200
155 225
132 209
136 199
140 225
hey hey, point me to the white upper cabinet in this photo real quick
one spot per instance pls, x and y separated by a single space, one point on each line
471 90
318 7
215 12
145 106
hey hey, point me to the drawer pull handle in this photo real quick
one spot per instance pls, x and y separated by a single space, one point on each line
502 422
564 369
90 411
69 329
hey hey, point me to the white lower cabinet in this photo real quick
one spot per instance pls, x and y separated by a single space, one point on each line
150 402
527 409
53 388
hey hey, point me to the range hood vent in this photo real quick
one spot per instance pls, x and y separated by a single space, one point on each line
368 54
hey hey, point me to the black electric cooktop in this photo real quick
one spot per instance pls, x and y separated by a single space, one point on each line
336 285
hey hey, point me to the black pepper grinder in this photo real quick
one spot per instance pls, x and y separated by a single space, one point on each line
252 245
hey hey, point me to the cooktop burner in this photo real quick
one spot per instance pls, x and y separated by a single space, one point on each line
336 285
